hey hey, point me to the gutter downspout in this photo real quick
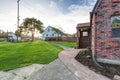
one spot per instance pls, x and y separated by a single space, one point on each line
92 24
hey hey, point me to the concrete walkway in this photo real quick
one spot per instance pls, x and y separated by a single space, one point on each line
81 71
21 73
67 56
56 70
64 47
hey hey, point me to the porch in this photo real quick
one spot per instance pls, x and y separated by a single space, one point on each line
83 35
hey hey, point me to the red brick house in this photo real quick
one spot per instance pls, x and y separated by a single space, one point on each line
105 22
83 35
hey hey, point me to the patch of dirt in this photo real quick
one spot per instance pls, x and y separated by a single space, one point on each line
85 58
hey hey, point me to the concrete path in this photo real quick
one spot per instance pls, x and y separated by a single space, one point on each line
81 71
54 71
64 47
67 56
20 73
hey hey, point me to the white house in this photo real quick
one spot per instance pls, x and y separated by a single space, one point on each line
52 32
12 37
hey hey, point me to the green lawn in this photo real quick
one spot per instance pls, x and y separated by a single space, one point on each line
67 44
14 55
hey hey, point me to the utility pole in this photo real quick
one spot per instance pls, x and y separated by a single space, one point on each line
18 14
18 17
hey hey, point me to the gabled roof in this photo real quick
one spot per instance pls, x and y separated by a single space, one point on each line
96 5
57 30
82 25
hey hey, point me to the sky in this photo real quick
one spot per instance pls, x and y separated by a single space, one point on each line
63 14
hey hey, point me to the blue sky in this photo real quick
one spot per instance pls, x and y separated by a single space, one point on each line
57 13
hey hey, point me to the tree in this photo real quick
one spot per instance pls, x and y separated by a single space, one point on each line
3 34
18 32
32 25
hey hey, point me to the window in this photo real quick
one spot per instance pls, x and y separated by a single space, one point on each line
46 35
85 33
115 26
48 29
52 34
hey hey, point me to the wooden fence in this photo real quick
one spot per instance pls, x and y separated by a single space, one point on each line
73 39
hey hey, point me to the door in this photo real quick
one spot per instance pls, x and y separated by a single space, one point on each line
85 39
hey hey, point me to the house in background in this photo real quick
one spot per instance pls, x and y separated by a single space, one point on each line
105 22
51 33
83 35
12 37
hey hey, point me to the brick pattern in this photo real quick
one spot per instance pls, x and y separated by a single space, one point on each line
105 45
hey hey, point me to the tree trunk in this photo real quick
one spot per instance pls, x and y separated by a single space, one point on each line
33 35
17 38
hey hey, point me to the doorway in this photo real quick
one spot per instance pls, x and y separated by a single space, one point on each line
85 38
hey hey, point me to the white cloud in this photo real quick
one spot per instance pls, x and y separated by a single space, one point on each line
8 21
53 4
61 0
78 14
54 8
82 10
49 14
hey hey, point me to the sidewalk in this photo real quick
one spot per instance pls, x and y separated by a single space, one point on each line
82 72
20 73
56 70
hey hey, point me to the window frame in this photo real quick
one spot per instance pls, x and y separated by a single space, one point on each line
85 33
113 27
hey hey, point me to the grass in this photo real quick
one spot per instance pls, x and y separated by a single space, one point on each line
66 43
15 55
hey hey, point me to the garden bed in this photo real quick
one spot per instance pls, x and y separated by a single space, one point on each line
110 71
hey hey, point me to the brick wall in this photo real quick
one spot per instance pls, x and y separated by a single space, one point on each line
104 46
